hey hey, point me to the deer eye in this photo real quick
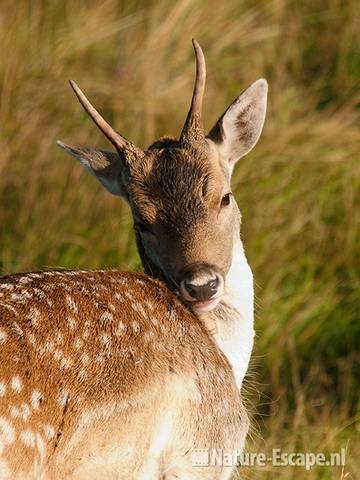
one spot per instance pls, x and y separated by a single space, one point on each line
225 200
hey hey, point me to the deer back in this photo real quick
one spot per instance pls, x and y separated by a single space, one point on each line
96 364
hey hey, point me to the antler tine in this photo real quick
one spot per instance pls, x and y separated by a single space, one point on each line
193 127
199 86
119 142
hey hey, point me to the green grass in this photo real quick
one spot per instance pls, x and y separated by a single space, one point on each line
299 190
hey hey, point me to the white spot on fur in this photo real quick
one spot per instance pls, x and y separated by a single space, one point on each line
142 310
26 294
36 398
119 297
69 273
85 359
3 336
129 296
106 317
150 305
31 338
15 327
82 373
79 342
63 397
148 336
49 431
135 326
14 411
99 358
119 329
86 332
39 293
34 316
59 338
2 389
105 339
72 323
28 438
71 303
25 280
65 363
41 350
7 432
58 355
25 412
17 297
16 384
35 275
7 286
49 346
83 289
10 308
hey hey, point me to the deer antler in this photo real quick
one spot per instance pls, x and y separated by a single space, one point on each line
193 130
121 144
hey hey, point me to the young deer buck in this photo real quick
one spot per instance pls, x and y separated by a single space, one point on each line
111 375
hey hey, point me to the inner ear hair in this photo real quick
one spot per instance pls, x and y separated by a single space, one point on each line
239 127
105 165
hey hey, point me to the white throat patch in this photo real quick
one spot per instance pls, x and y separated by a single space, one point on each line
232 322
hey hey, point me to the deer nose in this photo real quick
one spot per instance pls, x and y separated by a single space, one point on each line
204 291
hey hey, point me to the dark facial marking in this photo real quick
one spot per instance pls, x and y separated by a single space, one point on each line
176 185
217 133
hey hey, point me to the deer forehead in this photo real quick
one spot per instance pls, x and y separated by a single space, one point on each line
178 183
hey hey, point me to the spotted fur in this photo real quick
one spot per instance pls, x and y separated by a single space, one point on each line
61 387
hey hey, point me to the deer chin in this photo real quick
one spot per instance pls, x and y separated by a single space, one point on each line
207 306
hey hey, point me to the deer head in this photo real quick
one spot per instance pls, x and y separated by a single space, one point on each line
186 220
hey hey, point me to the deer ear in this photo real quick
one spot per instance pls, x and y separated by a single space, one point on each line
239 128
106 166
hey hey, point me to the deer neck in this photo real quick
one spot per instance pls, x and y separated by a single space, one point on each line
232 322
150 268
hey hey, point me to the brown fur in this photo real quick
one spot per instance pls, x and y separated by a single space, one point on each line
84 342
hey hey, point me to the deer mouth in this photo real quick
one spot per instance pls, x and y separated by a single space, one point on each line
205 306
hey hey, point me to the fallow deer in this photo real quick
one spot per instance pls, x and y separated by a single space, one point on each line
111 375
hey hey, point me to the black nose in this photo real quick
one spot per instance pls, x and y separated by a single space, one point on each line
202 292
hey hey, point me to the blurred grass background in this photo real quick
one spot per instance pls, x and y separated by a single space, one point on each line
299 190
